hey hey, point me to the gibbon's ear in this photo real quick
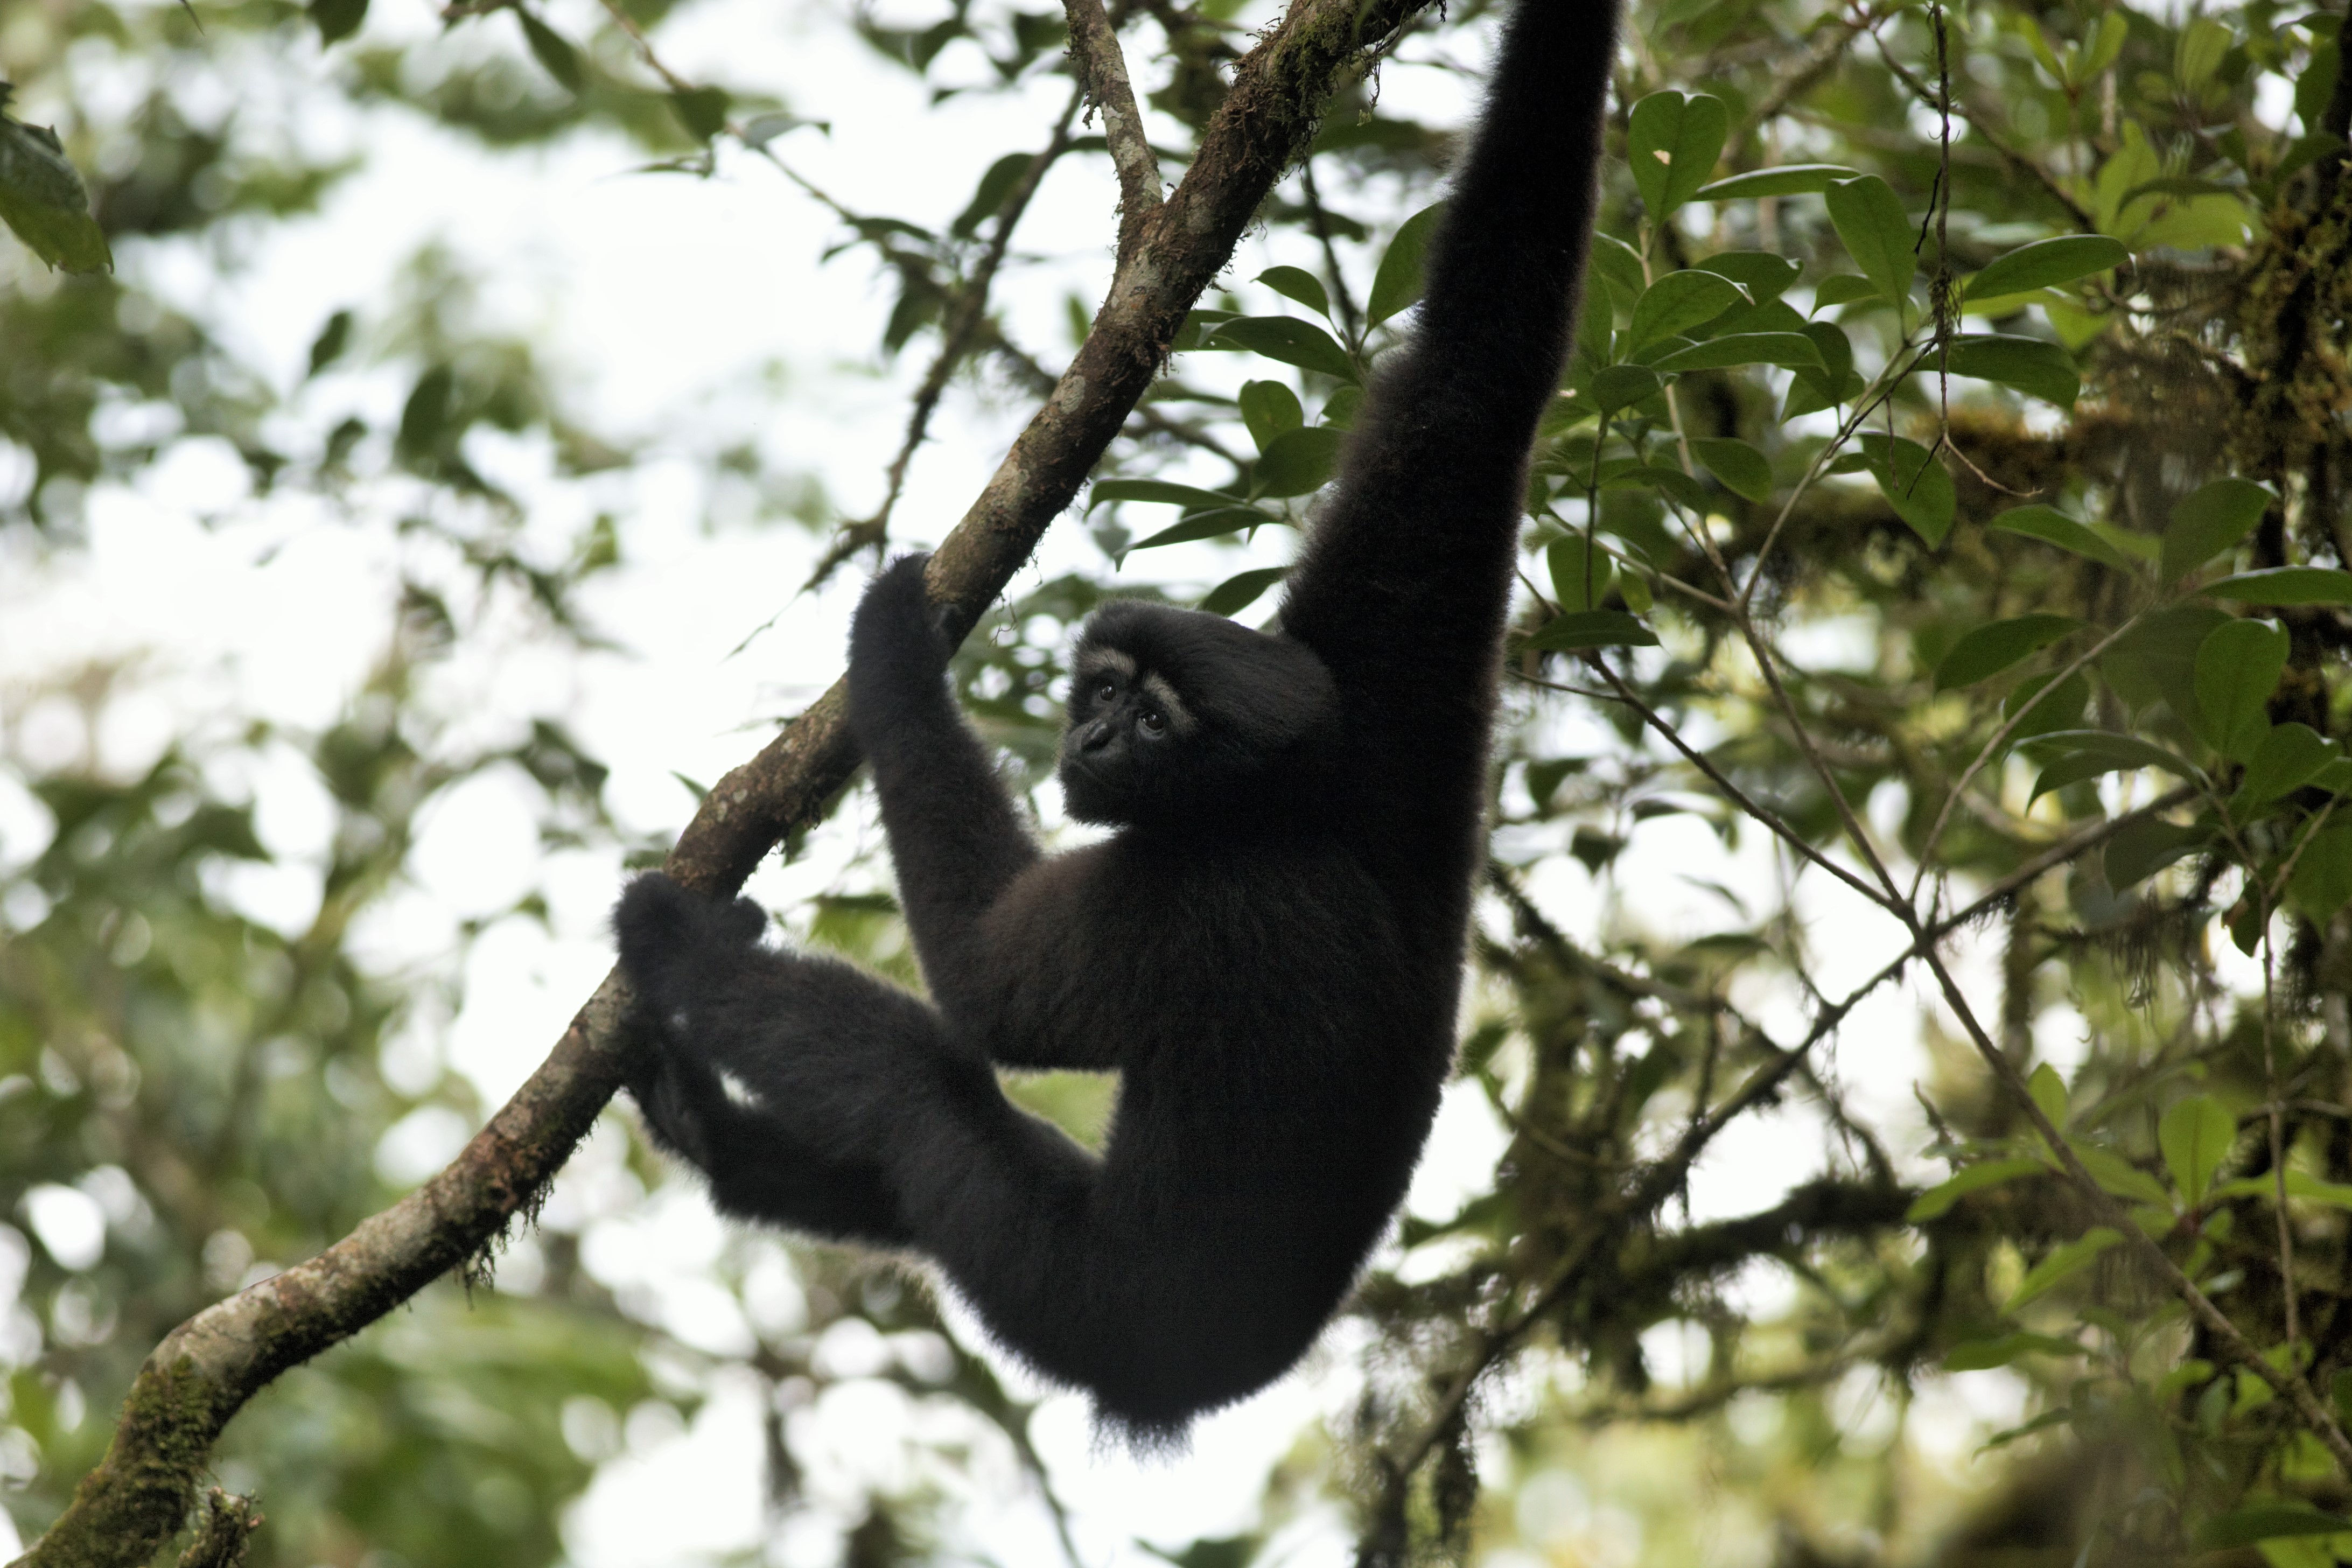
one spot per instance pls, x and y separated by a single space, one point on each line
1253 693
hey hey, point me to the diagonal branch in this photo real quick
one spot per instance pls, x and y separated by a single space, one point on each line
205 1369
1094 49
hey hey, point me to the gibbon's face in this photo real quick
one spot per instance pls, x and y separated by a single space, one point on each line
1176 713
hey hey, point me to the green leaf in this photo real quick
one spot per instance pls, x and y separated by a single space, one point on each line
2032 366
2053 528
1296 283
1591 629
1870 222
2048 1091
1787 180
2062 1265
1842 288
1580 581
1160 490
42 202
1288 340
1938 1201
2210 520
703 111
1987 650
2087 753
1296 462
1242 590
1397 284
1743 469
2118 1175
337 19
2238 668
1198 525
2046 706
2140 850
1673 142
1914 483
2157 659
2322 883
332 338
1622 385
1269 408
1793 349
2195 1136
2267 1521
1655 476
2046 263
1978 1355
2288 758
554 53
1679 301
1766 277
2285 585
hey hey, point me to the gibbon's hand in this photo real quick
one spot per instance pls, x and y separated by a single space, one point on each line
899 650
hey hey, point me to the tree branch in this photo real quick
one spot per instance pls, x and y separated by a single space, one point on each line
206 1370
1094 49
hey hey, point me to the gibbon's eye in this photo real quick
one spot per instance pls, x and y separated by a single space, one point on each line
1154 723
1104 691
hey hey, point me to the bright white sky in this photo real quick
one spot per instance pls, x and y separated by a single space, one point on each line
667 302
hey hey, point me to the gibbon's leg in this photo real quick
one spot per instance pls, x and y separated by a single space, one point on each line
775 1073
955 837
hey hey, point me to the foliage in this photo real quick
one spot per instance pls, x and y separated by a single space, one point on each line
1944 510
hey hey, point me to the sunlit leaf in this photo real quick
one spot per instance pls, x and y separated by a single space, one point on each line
1242 590
1744 470
1288 340
2030 364
2195 1135
1591 629
2087 753
1913 484
1397 283
1937 1200
2062 1265
1296 462
1296 283
2285 585
1871 224
1786 180
1268 408
1679 301
2053 528
1792 350
2047 262
1672 142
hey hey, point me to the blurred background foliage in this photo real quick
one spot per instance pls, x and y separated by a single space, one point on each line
1575 1365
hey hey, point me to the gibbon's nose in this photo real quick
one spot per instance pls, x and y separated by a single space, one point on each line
1097 735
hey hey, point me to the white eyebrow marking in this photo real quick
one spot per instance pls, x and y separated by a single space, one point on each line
1106 661
1179 718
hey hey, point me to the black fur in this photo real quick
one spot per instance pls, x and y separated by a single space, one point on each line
1269 950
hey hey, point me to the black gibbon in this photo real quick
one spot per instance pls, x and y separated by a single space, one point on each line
1269 949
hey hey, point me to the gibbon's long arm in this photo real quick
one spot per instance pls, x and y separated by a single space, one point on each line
1405 579
955 837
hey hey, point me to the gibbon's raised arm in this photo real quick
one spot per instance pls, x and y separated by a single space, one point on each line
1404 580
